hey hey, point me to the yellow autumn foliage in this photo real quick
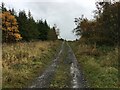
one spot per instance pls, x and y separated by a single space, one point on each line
17 36
10 27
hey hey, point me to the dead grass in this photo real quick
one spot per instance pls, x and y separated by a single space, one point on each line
24 61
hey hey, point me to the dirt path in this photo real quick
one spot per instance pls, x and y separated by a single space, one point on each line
77 79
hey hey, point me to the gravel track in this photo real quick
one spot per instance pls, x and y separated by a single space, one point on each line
77 78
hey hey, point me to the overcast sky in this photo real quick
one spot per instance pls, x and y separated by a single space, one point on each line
59 12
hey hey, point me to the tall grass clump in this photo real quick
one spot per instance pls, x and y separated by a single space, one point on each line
22 62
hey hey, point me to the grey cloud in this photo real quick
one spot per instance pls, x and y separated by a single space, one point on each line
60 13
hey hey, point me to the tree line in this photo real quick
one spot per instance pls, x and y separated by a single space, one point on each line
23 27
104 28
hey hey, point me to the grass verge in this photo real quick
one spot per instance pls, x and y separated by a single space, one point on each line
100 64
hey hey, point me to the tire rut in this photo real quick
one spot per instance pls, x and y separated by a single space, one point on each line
78 80
43 81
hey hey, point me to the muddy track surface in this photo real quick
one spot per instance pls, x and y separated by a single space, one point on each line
76 75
